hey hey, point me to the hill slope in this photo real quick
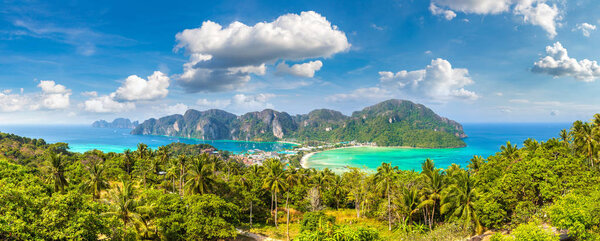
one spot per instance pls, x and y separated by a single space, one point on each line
389 123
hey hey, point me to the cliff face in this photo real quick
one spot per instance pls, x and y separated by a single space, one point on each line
121 123
392 122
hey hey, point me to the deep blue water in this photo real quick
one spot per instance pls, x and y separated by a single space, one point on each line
84 138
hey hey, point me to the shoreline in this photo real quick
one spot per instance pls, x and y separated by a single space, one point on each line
307 156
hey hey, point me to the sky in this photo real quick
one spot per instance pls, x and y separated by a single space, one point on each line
64 62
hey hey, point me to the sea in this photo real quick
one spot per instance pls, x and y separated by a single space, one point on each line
484 140
82 138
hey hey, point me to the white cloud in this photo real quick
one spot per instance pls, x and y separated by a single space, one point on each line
537 12
216 104
371 93
534 12
554 112
107 104
435 10
558 63
54 96
519 101
222 58
374 26
89 93
13 102
585 28
242 102
136 88
164 109
438 81
301 70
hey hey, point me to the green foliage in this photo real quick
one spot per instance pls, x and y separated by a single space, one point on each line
313 221
578 213
210 218
533 232
340 233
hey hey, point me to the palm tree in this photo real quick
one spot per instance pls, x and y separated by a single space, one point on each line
123 204
509 151
428 166
409 202
564 137
475 163
385 178
183 161
201 179
337 189
354 181
274 181
584 139
57 167
96 182
460 199
128 162
291 179
171 174
432 194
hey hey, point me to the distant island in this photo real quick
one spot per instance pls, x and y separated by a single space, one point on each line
390 123
121 123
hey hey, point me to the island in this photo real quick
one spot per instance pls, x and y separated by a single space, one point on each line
389 123
121 123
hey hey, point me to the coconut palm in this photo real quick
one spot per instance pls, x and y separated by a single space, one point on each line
128 162
385 178
409 201
123 204
337 188
509 151
183 161
200 176
291 180
475 163
460 199
584 140
274 181
57 168
432 194
97 181
564 137
171 174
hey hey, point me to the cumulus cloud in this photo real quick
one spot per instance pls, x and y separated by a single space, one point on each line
107 104
558 64
222 58
438 81
534 12
215 104
136 88
54 96
13 102
301 70
371 93
585 28
165 109
435 10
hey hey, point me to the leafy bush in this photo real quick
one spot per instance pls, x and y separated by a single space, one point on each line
315 220
533 232
340 233
577 213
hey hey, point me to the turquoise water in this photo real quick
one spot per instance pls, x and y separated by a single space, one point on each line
84 138
483 140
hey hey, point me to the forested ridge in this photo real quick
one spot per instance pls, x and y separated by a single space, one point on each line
533 192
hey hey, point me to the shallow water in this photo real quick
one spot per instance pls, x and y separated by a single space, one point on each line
483 140
84 138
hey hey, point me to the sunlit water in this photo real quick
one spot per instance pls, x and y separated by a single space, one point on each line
84 138
483 140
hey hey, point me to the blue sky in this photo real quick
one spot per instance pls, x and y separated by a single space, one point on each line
472 61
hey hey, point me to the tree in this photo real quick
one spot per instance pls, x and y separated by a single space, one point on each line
432 192
274 181
209 217
584 140
57 168
355 179
386 177
97 181
200 177
409 201
460 199
183 161
128 162
509 151
337 189
123 204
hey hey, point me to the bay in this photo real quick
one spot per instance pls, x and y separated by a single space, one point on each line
484 140
82 138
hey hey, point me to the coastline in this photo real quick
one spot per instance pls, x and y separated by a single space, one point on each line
307 156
